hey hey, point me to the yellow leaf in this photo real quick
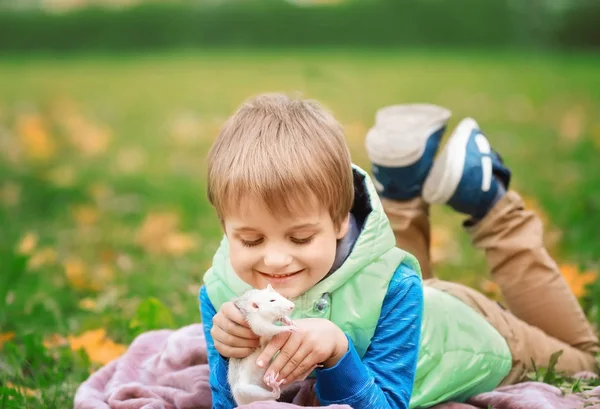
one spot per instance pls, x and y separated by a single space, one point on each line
87 137
54 341
159 234
97 345
443 245
79 278
491 289
99 191
27 243
42 257
577 280
4 337
85 215
572 124
22 390
88 304
75 271
34 137
178 244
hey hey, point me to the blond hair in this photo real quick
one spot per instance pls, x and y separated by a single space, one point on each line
282 152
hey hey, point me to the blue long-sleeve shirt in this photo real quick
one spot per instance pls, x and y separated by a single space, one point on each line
382 379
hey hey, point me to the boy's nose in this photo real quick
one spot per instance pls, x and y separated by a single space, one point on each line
277 259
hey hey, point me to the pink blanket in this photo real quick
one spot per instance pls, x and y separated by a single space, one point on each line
168 369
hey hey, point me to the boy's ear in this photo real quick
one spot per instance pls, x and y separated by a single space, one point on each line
343 227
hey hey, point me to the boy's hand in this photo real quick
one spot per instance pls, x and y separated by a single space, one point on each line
317 342
231 333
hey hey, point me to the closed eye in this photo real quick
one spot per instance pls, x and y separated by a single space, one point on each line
252 243
306 240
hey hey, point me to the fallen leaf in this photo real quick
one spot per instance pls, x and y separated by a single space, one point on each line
43 257
85 215
159 234
178 244
443 245
88 304
97 345
80 278
54 341
491 289
23 390
87 137
577 280
572 124
4 337
34 137
27 243
99 192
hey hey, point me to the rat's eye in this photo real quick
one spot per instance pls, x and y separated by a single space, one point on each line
273 300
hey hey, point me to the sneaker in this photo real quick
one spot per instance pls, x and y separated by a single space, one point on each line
401 146
468 175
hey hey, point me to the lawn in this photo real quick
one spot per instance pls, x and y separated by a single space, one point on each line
105 230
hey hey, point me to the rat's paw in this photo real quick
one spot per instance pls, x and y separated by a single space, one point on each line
287 321
272 382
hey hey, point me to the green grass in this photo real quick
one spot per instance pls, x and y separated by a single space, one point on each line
164 110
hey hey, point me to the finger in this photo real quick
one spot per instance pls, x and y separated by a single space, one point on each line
302 376
271 348
289 349
232 327
300 373
226 338
234 314
232 352
297 363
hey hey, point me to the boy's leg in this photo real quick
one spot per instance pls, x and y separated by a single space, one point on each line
472 179
531 282
410 222
526 342
401 146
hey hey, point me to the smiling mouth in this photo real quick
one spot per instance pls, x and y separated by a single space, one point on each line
280 275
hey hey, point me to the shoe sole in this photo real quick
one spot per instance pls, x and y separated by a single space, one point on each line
400 133
448 167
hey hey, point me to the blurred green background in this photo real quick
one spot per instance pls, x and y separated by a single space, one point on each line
108 108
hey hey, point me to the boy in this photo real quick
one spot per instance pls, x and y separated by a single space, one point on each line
299 216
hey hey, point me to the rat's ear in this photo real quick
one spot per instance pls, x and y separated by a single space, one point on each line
269 287
255 305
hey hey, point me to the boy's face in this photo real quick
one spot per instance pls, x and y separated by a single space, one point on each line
292 253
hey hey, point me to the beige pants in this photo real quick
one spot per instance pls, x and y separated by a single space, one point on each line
543 315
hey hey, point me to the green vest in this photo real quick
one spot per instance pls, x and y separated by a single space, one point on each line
460 355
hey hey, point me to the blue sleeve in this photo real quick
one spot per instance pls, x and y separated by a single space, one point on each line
219 386
385 376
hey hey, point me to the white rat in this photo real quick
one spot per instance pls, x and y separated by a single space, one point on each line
261 308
